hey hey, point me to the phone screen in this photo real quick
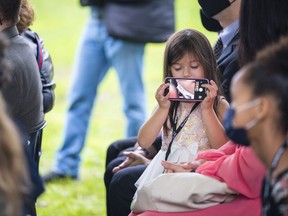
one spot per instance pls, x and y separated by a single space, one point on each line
186 89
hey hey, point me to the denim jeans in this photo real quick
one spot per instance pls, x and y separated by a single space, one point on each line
97 53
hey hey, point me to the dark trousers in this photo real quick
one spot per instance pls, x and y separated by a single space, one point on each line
122 189
114 157
120 186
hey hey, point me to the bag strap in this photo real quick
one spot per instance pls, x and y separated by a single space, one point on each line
177 130
39 56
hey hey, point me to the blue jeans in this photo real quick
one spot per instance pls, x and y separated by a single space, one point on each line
98 52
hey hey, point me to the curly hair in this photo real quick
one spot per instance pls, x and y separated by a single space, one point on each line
268 75
27 16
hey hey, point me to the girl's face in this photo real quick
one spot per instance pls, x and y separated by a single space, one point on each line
187 67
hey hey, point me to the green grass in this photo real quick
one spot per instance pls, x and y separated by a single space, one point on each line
60 24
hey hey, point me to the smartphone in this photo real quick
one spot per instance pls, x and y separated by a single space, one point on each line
186 89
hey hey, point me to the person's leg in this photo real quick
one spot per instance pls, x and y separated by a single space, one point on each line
127 58
117 147
108 177
122 189
90 68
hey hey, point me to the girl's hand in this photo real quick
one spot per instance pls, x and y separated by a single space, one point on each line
181 167
175 168
211 93
162 100
194 164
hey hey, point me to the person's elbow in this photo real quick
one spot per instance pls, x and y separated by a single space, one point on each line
143 142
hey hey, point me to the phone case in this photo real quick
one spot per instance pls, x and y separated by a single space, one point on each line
186 89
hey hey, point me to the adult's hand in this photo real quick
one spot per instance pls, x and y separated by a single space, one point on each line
132 159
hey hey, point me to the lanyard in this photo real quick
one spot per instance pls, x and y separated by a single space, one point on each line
177 130
267 188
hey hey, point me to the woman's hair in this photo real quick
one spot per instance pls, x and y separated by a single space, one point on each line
9 11
268 75
194 42
262 22
13 175
26 16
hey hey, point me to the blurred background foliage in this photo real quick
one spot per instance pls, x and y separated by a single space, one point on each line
60 24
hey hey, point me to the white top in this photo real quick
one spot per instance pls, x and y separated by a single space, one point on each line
191 140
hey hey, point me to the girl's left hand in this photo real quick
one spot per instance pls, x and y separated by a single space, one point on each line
181 167
211 92
175 168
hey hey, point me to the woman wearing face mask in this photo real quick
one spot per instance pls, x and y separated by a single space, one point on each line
259 117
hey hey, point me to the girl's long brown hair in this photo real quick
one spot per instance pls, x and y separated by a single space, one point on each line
190 41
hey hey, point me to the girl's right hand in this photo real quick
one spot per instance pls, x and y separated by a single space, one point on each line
162 100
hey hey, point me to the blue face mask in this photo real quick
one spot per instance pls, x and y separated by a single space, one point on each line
239 135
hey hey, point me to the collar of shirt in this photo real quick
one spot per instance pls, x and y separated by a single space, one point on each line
228 33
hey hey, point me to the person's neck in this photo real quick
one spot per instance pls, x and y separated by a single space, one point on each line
267 143
229 15
4 26
225 23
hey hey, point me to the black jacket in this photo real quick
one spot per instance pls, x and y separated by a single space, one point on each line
45 65
138 20
23 93
228 65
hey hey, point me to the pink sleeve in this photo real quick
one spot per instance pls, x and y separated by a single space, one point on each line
242 171
213 154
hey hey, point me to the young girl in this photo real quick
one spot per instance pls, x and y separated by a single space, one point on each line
187 128
259 117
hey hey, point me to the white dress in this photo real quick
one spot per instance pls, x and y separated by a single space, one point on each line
191 140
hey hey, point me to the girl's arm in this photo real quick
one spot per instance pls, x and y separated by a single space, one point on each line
214 128
151 128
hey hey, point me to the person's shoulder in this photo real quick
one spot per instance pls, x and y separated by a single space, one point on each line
222 106
283 177
19 45
21 55
280 190
223 101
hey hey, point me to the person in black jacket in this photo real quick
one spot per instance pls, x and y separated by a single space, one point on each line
115 36
226 12
23 93
13 173
45 64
